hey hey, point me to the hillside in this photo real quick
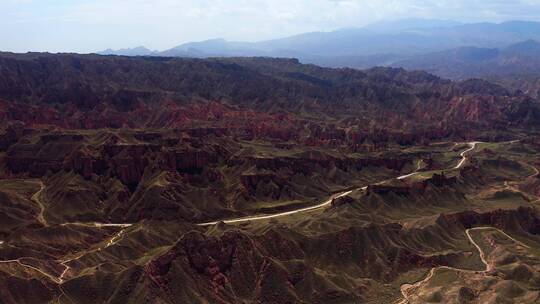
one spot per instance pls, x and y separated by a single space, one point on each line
134 90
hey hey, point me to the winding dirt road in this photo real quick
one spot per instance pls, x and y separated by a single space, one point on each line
49 276
117 237
96 225
333 197
463 157
61 278
37 199
407 289
263 217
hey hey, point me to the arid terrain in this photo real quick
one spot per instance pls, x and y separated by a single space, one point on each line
258 180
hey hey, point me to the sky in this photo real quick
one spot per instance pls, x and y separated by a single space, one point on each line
93 25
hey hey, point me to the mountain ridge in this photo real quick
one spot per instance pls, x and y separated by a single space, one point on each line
406 37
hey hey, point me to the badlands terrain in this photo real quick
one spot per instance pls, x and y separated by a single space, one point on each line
257 180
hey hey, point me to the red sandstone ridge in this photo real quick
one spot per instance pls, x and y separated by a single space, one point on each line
186 92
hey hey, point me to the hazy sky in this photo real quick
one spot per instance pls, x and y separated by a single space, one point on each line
91 25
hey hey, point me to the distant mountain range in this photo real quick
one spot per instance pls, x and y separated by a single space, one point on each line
395 40
516 66
467 62
507 53
137 51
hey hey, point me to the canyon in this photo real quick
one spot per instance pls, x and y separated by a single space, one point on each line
261 180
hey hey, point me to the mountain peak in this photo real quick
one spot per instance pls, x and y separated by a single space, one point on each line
136 51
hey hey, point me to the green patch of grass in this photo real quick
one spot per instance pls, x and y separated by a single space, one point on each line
443 277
